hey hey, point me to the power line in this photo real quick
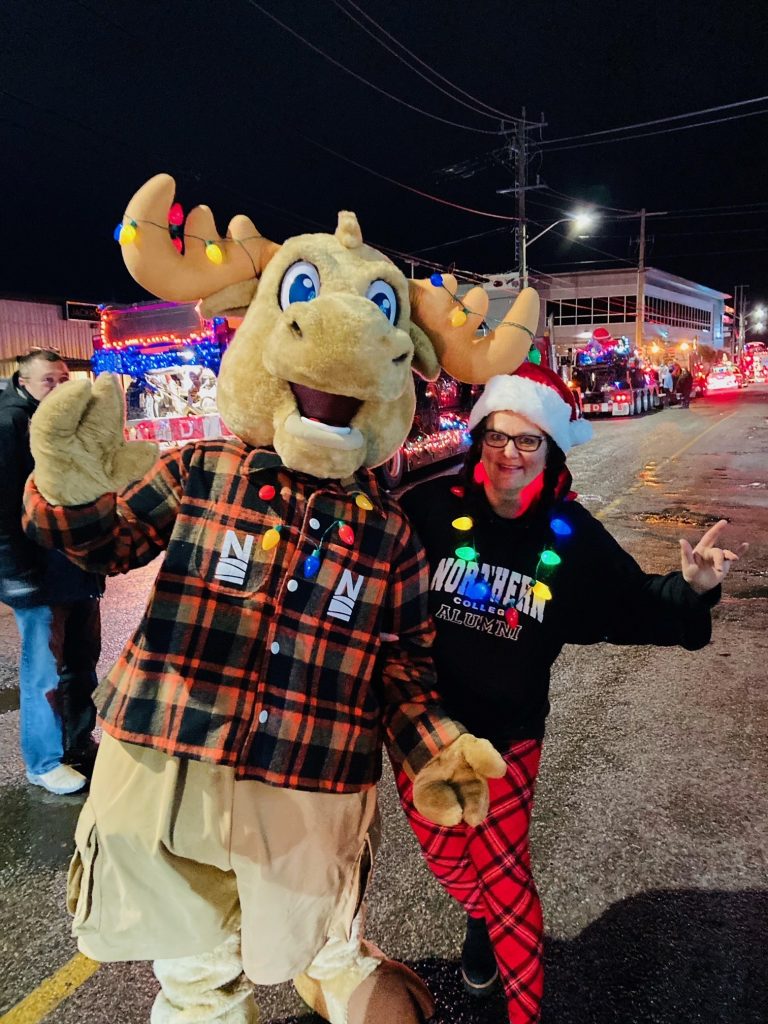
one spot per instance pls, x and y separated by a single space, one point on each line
466 238
658 120
661 131
376 88
729 210
494 110
713 252
409 188
377 38
586 245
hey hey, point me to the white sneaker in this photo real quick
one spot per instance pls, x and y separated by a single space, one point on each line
60 780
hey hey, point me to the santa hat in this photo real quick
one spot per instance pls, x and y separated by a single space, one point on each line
542 397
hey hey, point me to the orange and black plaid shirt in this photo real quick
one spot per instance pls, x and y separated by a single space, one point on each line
240 658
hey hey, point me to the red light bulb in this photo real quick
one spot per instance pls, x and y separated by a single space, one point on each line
176 215
346 534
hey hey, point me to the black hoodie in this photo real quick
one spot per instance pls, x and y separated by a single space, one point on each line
494 677
28 574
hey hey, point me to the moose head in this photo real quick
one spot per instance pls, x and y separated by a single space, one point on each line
320 367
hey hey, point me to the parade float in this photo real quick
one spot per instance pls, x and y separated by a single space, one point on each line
168 358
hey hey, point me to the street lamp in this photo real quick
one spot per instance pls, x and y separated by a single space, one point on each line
581 219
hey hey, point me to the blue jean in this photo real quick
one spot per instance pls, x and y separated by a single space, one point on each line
57 675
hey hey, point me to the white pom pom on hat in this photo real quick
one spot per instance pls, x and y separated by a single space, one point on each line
542 397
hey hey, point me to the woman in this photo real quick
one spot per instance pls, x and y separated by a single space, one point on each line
518 568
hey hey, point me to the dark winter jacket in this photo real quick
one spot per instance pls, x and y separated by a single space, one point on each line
29 575
493 674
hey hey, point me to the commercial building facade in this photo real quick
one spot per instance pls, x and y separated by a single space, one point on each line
25 325
678 315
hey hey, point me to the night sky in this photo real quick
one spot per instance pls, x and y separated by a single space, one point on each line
97 96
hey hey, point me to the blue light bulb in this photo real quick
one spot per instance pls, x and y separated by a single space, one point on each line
436 280
311 566
561 528
479 590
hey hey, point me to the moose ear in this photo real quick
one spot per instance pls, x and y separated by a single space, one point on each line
425 361
234 299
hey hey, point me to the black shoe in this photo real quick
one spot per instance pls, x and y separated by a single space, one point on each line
479 970
83 758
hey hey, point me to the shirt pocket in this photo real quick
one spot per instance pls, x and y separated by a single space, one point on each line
228 554
346 593
83 896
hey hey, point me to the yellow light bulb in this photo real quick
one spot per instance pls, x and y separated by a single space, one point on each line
214 253
541 590
462 523
458 318
364 502
127 234
270 538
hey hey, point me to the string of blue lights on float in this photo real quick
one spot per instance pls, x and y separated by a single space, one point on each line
134 361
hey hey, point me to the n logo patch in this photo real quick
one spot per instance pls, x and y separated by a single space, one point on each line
344 597
234 559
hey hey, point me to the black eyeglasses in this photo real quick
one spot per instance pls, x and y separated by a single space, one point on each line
523 442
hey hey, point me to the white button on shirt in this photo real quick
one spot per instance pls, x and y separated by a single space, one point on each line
275 647
292 585
314 524
263 716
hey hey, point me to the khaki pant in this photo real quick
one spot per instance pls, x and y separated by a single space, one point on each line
173 855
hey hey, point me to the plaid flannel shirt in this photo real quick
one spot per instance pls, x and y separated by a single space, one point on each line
241 660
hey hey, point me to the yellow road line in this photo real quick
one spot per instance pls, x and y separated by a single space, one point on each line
54 990
636 486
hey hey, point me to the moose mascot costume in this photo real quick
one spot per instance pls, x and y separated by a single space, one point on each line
231 822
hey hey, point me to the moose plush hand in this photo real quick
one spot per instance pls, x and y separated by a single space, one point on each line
77 442
454 785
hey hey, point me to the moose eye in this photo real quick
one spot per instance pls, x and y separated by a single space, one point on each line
384 296
301 283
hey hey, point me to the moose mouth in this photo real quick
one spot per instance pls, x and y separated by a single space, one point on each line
325 410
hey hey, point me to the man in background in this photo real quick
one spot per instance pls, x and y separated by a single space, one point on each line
56 604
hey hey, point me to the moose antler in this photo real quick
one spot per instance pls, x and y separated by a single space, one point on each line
467 358
154 262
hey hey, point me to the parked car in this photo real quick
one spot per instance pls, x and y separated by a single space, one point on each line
722 378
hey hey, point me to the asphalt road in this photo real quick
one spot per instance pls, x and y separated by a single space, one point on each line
651 823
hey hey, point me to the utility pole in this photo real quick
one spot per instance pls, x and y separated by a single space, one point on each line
521 170
640 318
741 319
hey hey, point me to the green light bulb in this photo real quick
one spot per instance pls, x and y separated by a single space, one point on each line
550 558
466 552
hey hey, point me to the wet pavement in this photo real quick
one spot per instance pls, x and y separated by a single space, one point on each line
651 821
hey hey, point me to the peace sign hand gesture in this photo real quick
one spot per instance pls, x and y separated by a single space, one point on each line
707 565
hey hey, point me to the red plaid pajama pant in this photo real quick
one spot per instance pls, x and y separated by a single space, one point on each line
488 870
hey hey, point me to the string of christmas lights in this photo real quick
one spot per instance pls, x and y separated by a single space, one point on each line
312 562
135 363
127 230
546 566
459 317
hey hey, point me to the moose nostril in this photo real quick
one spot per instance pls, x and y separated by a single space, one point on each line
400 359
296 329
